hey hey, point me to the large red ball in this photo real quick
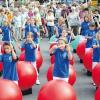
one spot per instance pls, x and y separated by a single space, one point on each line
80 50
27 75
87 61
52 60
56 90
39 59
72 74
1 66
97 94
96 74
9 90
52 45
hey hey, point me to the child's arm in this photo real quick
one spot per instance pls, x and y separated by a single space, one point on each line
52 49
0 30
13 53
95 44
34 45
69 52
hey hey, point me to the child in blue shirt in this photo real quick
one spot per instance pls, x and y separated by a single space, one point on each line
6 32
30 52
27 27
9 59
91 33
68 34
62 56
96 49
85 26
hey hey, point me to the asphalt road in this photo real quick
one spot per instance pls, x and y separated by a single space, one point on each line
82 87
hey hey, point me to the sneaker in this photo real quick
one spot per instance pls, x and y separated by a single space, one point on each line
37 82
93 84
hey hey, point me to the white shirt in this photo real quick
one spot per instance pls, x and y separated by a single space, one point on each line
17 21
50 23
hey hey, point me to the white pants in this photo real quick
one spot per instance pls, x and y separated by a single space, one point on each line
58 78
94 64
16 82
87 49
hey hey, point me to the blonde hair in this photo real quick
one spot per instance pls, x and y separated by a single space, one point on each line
97 35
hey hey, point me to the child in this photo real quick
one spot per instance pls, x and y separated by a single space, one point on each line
6 32
62 56
68 35
9 59
35 31
30 52
90 35
84 26
96 49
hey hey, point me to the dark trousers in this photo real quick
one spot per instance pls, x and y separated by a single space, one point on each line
50 31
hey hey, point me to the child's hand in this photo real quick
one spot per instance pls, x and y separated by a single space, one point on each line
11 47
68 47
0 30
55 47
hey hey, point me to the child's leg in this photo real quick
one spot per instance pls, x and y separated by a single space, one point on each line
37 81
58 78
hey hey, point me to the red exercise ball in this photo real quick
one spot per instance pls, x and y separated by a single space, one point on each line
52 45
72 74
72 62
39 59
80 50
96 74
50 73
87 60
9 90
52 60
27 75
56 90
22 56
97 94
1 66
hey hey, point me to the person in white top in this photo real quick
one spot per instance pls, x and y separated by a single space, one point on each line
74 20
50 23
17 25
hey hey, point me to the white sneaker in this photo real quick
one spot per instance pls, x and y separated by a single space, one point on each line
37 82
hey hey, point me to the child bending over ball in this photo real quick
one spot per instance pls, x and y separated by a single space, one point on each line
9 60
62 56
30 52
96 49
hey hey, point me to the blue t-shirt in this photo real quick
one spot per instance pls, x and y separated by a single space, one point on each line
96 51
6 33
34 31
30 53
84 28
59 29
9 67
27 29
68 38
61 65
92 34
